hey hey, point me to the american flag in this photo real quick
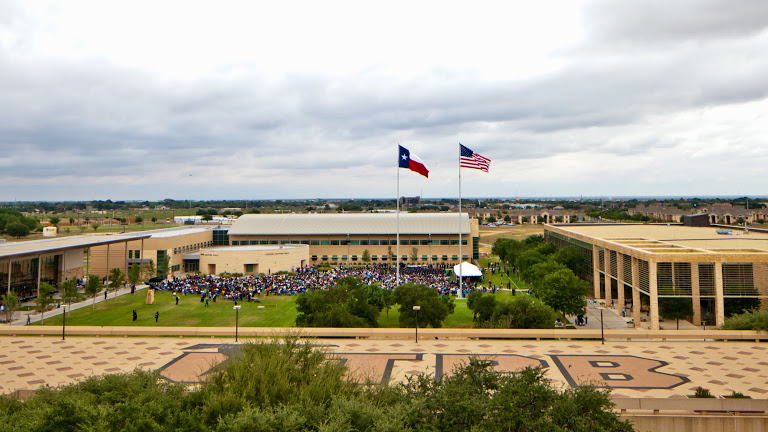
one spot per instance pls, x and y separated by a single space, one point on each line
470 159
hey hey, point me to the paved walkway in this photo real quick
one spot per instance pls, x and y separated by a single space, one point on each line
20 317
633 369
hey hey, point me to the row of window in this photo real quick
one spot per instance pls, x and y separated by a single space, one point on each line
352 242
385 257
192 247
134 254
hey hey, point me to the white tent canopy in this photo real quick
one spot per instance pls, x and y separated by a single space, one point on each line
466 269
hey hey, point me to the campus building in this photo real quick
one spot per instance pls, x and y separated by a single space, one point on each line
345 238
638 264
23 265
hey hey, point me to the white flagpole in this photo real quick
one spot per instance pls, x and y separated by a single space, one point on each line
460 293
397 260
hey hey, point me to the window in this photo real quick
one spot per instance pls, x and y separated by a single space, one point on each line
273 242
325 242
285 242
249 268
424 242
435 242
445 257
414 242
444 243
325 257
454 257
254 242
363 242
304 242
354 242
465 257
335 257
314 257
314 242
374 257
374 242
137 254
463 242
354 257
434 257
383 257
130 254
343 257
424 258
263 242
404 258
335 243
403 242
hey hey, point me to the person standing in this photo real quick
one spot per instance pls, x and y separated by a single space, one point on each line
135 315
177 300
157 315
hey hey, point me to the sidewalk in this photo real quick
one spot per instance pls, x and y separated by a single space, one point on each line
20 318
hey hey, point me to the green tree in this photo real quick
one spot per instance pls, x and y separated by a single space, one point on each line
482 307
17 229
139 219
414 254
564 291
748 320
116 280
346 304
675 308
434 307
44 299
54 220
134 274
70 294
207 217
12 304
95 226
149 270
523 312
366 256
92 288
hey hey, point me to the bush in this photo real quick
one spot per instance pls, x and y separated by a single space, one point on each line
749 320
700 392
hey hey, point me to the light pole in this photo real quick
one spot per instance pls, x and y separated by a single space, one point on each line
417 309
602 328
237 316
64 323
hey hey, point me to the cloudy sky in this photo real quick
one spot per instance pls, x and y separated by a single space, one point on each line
307 99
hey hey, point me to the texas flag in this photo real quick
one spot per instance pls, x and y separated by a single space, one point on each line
412 162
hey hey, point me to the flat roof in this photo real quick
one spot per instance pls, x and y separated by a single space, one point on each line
47 246
662 239
253 248
350 223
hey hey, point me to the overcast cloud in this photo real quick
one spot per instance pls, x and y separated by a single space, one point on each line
305 99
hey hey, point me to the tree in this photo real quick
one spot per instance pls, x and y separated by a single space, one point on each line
482 307
116 280
54 220
524 312
139 219
134 274
92 288
164 265
507 219
207 217
12 304
44 299
17 229
366 256
95 226
154 219
414 254
70 294
564 291
675 308
149 270
349 303
434 307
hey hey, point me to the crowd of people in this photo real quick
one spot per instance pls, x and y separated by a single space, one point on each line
249 287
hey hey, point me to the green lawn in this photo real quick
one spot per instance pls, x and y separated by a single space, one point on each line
277 311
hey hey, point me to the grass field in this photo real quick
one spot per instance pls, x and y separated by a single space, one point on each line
275 311
272 311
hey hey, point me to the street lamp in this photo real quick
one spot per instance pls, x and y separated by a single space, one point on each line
602 327
237 316
64 323
417 309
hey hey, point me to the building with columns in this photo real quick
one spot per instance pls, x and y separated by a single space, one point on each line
634 265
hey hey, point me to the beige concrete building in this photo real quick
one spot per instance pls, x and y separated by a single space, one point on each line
344 238
708 265
252 260
171 244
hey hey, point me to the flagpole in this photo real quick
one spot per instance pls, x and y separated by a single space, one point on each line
397 260
460 293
